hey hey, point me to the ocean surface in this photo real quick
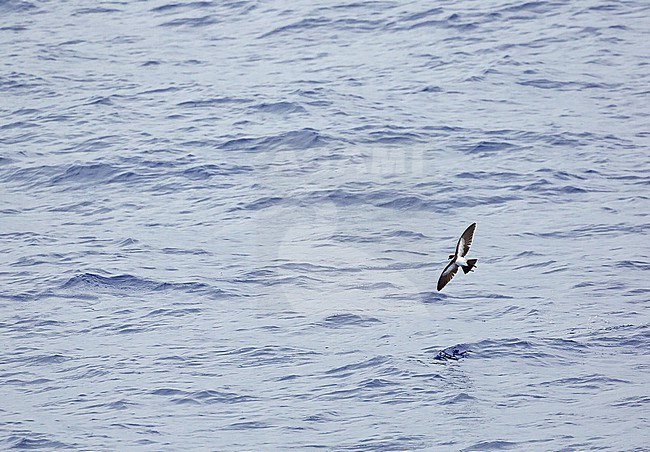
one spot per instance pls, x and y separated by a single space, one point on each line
222 224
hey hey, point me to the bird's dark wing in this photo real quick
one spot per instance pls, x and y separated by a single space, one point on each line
446 275
465 240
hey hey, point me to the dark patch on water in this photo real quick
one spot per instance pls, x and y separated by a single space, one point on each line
346 319
453 353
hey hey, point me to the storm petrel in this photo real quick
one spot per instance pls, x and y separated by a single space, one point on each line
458 259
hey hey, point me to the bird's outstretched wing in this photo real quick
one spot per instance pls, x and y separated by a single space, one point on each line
447 274
465 240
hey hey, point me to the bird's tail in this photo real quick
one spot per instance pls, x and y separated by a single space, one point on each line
471 263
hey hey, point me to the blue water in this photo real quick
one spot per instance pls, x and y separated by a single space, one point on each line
222 224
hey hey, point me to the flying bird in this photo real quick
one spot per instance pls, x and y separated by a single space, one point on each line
458 259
